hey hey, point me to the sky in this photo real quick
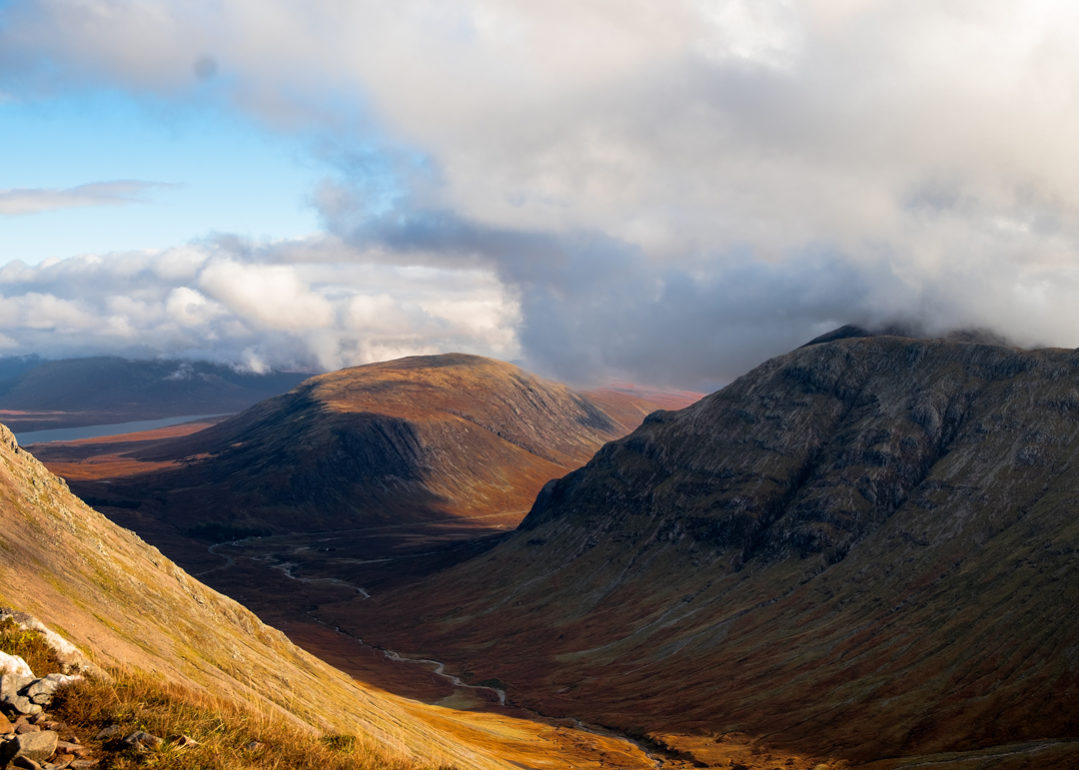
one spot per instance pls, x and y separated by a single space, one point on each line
666 193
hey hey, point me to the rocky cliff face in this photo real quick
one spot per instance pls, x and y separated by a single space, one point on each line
418 438
868 546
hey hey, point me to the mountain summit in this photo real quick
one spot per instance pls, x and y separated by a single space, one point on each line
420 438
867 547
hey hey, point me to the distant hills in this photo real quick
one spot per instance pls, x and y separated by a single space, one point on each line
36 394
867 548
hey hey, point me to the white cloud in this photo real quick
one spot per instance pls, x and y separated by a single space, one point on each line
240 305
269 296
189 307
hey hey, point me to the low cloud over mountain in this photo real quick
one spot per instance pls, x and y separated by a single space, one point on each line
670 193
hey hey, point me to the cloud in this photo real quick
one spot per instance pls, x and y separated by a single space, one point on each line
661 191
35 201
233 301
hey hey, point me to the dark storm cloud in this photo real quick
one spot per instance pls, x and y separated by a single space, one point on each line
593 307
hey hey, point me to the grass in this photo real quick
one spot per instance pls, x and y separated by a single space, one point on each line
228 735
28 645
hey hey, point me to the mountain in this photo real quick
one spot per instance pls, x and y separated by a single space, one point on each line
867 548
38 395
417 439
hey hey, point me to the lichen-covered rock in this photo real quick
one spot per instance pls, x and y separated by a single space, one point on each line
12 701
11 684
41 691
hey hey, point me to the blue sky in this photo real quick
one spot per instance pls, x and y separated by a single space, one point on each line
662 192
209 171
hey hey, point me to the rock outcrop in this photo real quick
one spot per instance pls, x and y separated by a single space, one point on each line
34 738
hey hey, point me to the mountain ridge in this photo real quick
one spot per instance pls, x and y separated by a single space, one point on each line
831 542
421 438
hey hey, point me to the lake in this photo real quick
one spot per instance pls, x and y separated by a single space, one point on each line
94 431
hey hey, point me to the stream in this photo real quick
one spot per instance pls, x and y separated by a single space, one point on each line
437 667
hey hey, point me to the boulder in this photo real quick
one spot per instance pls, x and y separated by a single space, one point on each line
40 691
10 684
19 704
13 664
37 746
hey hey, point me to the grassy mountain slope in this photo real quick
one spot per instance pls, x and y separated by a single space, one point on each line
866 548
123 603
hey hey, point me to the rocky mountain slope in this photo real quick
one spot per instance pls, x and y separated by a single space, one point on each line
38 395
867 548
415 439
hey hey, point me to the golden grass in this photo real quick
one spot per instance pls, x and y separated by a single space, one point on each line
229 736
28 645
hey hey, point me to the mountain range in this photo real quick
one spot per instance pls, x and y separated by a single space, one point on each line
429 438
862 553
36 394
125 611
867 548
